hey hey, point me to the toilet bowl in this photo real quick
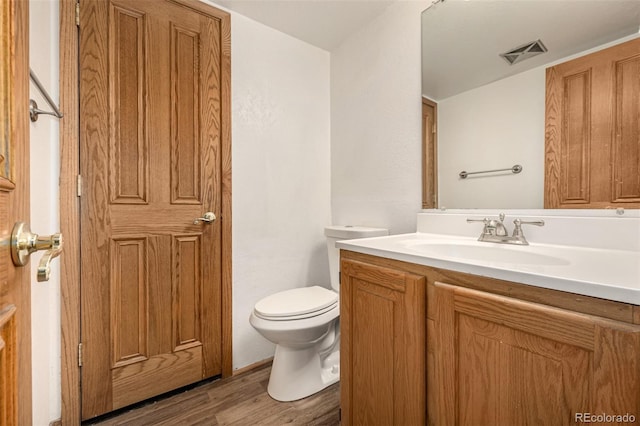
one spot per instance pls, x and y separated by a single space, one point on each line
304 324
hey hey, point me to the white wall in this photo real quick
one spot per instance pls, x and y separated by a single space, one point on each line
281 183
493 127
45 171
281 172
376 122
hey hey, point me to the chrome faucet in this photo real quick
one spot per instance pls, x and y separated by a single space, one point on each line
494 230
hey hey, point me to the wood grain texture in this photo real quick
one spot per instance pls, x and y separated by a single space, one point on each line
500 370
616 368
129 145
225 175
177 108
15 282
7 82
9 403
129 299
19 208
432 377
158 374
97 392
240 400
382 360
575 145
552 139
9 388
187 291
497 371
618 311
626 140
442 378
592 135
429 154
503 353
185 114
372 335
573 328
216 111
69 216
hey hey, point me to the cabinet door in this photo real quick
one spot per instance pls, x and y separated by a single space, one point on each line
592 148
382 349
502 361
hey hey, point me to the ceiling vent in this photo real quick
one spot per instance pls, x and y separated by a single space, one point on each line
523 52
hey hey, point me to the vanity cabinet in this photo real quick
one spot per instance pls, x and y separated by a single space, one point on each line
502 361
382 346
496 352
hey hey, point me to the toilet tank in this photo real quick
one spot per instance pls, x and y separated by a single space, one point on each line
345 232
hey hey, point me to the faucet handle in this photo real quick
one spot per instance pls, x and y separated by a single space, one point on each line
485 220
517 230
489 227
529 222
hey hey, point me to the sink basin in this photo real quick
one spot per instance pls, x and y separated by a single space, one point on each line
485 252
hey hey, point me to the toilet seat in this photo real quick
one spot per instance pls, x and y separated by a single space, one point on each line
297 303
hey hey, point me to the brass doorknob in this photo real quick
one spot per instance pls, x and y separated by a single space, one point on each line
24 242
208 217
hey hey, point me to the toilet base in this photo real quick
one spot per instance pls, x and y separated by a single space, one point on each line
298 373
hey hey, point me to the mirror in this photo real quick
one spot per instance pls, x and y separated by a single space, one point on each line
490 113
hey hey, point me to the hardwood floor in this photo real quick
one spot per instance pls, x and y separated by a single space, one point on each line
240 400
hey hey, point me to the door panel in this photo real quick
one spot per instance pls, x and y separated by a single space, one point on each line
129 172
150 129
626 142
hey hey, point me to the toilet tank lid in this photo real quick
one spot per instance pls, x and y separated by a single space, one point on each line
351 232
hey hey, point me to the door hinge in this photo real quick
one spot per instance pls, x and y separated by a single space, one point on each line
79 354
434 129
78 14
79 186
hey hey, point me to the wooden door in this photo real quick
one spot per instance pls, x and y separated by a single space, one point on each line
498 361
382 363
150 131
15 295
592 134
429 154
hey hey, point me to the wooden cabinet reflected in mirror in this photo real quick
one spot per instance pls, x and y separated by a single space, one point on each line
592 130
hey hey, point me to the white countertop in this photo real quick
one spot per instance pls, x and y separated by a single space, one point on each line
605 273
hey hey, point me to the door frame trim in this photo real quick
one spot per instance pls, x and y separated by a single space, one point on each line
70 203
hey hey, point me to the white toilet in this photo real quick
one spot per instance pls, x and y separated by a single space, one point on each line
304 325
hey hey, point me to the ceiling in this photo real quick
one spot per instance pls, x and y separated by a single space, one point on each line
462 40
322 23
